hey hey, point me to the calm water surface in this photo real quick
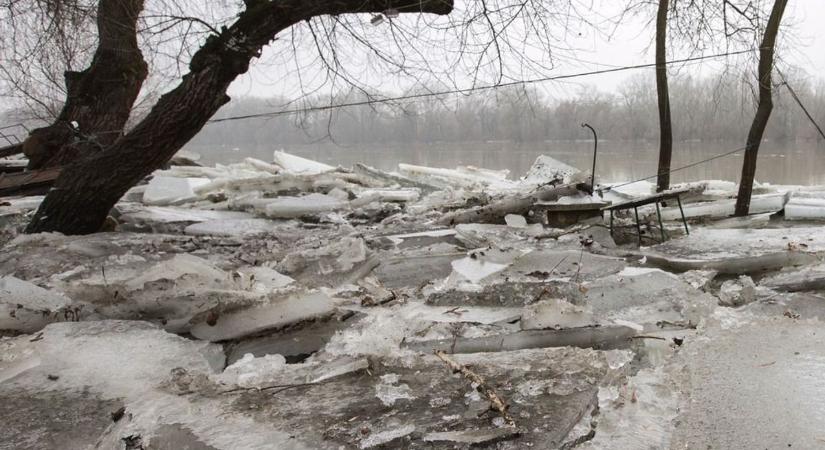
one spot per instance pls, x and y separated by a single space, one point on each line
787 162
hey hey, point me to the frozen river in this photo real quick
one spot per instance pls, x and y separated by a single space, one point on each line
786 162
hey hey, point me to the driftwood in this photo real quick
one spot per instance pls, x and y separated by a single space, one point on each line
495 211
481 386
584 337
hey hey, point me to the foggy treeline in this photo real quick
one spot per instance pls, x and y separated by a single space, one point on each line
703 109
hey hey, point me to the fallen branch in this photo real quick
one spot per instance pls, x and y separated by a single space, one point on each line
583 337
495 211
495 401
276 387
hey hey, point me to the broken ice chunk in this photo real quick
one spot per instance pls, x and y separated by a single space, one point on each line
628 191
389 391
425 236
180 266
277 313
262 166
290 207
393 195
476 270
338 367
326 266
385 437
647 298
723 208
546 170
800 208
555 313
231 227
26 307
415 311
739 251
810 278
169 214
171 190
458 177
483 263
699 279
250 371
262 279
296 164
515 221
737 292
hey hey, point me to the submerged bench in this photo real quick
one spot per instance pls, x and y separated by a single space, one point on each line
655 199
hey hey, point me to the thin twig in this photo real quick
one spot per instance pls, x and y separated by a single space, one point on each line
278 387
481 386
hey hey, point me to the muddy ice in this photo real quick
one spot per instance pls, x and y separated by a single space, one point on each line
292 304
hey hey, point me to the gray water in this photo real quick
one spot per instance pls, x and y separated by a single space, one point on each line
780 162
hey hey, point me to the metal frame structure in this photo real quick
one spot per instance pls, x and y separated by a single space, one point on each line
655 199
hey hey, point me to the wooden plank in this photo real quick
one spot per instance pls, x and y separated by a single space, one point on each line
11 150
28 183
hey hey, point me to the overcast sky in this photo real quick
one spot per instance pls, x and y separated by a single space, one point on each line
804 46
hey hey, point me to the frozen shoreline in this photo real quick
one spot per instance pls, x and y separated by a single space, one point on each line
291 304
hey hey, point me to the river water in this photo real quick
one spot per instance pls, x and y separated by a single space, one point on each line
780 162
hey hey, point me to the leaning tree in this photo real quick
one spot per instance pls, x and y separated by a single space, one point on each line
104 149
90 185
763 109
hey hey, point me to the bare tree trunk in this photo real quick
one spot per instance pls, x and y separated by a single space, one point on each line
100 98
86 191
763 111
665 129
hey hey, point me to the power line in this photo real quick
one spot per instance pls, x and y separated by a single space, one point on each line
693 164
474 89
799 102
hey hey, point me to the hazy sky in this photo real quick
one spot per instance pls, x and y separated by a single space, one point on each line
804 44
631 44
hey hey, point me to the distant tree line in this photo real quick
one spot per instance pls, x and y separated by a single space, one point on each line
702 108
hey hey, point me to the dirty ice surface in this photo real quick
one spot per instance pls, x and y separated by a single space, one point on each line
291 304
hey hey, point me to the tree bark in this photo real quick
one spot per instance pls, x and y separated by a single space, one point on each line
86 190
665 129
763 110
99 99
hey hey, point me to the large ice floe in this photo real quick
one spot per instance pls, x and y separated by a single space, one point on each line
291 304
